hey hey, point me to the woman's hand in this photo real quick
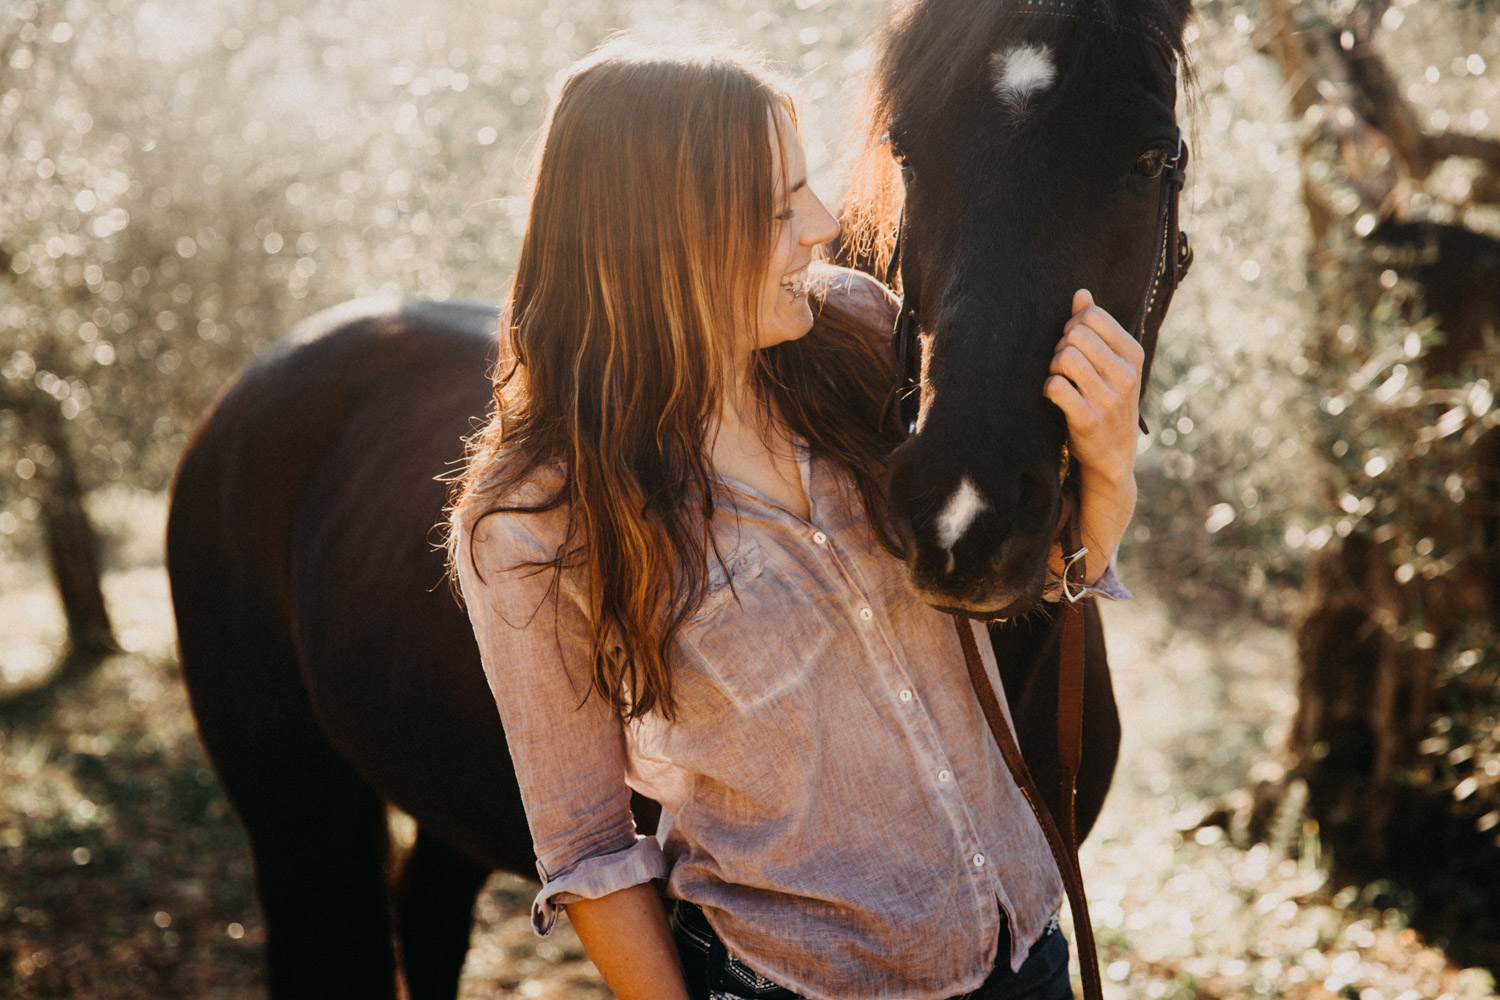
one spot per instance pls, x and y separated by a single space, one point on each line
1096 381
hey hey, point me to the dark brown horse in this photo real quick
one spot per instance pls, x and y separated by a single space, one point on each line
330 669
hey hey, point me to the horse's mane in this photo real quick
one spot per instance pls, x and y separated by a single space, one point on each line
928 49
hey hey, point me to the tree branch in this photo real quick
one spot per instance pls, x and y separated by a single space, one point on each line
1478 147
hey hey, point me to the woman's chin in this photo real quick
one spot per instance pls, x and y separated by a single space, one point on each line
788 327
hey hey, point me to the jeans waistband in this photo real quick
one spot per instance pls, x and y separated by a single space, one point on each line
709 969
722 974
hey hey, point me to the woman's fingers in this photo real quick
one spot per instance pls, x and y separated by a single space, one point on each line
1094 344
1081 414
1092 370
1095 380
1122 370
1108 336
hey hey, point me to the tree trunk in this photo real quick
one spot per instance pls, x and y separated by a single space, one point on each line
72 554
1363 700
1381 627
72 543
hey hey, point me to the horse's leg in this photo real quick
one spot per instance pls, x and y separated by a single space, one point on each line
321 863
434 915
1101 724
317 832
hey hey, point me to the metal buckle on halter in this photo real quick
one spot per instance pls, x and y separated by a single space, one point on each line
1184 254
1073 596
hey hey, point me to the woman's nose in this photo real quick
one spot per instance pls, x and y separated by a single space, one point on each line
821 228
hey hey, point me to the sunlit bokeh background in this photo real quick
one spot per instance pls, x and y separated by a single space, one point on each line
183 180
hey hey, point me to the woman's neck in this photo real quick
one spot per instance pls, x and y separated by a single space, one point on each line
743 405
750 443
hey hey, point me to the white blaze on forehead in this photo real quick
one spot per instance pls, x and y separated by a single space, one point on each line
959 512
1022 72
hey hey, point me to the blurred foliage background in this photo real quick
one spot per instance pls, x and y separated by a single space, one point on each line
183 180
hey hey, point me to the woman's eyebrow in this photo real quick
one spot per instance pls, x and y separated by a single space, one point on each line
795 188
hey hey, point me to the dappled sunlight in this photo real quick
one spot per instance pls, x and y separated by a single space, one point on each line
181 183
26 654
1179 911
142 611
122 870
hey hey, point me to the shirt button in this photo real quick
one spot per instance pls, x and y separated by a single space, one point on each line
866 614
905 694
943 775
819 537
978 860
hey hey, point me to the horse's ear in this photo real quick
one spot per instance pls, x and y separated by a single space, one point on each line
1179 13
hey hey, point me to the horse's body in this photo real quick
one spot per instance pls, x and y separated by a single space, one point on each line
331 670
329 666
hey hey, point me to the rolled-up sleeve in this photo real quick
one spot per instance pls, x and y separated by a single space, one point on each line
566 744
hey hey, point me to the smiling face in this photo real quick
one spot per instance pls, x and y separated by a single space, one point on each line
802 223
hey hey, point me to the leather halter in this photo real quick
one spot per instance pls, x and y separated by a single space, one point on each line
1172 261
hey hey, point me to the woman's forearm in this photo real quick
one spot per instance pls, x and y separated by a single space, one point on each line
627 936
1107 502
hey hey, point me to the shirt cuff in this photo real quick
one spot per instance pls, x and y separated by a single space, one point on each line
1108 585
596 876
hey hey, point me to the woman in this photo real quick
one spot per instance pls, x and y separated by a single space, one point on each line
670 538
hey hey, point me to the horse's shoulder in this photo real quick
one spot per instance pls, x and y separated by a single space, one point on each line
858 294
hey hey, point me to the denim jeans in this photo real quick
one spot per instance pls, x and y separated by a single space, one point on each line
713 973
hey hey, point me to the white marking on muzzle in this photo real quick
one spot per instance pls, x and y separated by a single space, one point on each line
1022 72
959 513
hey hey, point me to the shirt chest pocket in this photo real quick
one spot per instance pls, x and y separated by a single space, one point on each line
756 633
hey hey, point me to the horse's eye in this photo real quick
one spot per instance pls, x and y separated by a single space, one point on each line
1151 163
897 153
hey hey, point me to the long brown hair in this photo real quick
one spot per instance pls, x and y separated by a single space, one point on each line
652 216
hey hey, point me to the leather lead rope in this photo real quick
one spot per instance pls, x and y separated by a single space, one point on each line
1174 255
1062 839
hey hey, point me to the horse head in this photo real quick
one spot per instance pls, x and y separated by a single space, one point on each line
1038 153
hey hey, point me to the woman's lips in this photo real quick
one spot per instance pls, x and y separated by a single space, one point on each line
795 283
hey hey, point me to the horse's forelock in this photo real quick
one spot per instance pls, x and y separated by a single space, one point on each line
931 49
928 50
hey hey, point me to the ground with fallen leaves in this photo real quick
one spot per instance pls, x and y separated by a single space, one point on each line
124 874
